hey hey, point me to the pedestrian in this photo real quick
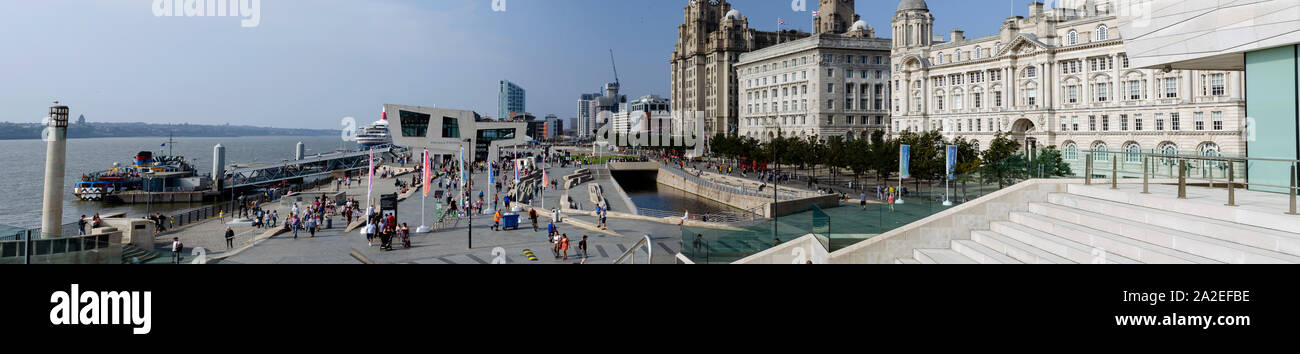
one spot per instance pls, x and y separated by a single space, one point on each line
564 247
863 202
311 226
550 229
891 203
532 214
230 238
370 235
294 223
81 226
582 246
555 245
496 221
177 249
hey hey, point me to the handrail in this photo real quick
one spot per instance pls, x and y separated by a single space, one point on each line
631 252
1182 162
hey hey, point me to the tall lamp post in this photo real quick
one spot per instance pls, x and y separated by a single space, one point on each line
469 175
773 208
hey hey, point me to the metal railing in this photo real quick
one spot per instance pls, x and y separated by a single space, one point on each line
722 217
785 194
38 246
630 257
1182 164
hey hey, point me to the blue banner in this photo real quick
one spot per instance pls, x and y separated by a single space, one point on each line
952 161
904 161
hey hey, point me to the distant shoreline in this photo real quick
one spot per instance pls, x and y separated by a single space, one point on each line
32 131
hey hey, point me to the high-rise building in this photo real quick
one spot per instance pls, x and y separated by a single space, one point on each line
834 83
511 99
1060 77
711 40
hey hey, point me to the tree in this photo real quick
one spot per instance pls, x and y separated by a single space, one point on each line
1001 163
1050 163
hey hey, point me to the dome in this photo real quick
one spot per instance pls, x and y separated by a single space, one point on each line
913 5
860 25
733 14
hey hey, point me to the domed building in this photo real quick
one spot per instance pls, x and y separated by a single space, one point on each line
711 38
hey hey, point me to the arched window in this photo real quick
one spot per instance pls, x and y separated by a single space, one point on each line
1133 153
978 53
1071 151
1072 38
1099 152
1103 33
939 58
956 56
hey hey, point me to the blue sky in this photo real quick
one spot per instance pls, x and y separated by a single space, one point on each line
309 63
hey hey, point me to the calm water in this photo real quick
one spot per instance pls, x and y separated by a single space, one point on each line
22 168
647 193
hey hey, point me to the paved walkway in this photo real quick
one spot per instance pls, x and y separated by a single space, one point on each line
452 246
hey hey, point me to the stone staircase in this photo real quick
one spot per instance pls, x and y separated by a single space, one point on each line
1097 225
132 254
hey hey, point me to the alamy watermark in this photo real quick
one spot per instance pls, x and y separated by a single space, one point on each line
249 10
643 129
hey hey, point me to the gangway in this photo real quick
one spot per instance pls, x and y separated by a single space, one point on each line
315 166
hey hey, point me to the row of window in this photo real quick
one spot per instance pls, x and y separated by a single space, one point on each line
1162 122
1072 37
1132 152
830 120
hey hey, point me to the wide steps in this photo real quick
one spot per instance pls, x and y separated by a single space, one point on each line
1020 251
1247 235
1213 248
906 261
1108 244
1214 210
982 254
937 256
1074 251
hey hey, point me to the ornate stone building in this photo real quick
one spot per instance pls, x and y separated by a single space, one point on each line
1058 77
835 83
709 42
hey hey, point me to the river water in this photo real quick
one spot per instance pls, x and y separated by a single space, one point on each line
642 188
22 169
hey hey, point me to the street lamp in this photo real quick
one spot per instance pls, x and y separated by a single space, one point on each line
469 176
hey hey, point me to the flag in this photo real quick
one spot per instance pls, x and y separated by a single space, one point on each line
951 161
463 168
780 21
817 13
545 180
516 164
904 157
427 175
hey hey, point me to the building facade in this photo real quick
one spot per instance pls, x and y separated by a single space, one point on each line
511 99
1060 77
830 84
444 132
584 124
709 42
1260 39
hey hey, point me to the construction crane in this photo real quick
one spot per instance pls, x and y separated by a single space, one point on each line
615 64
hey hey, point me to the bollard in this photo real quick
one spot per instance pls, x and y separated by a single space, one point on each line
1114 173
1232 188
1146 175
1182 180
1087 170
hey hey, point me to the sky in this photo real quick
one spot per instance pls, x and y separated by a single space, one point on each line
310 63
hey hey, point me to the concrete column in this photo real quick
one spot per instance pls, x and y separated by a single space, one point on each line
55 163
218 167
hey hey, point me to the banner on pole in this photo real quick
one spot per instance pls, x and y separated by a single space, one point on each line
463 167
428 175
904 161
370 181
951 161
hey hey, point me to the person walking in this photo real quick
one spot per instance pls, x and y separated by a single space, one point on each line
863 202
532 214
550 229
582 246
891 203
496 221
370 235
294 223
81 226
311 226
230 238
555 245
564 247
177 248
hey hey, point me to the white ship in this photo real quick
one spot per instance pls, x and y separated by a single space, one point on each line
375 134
